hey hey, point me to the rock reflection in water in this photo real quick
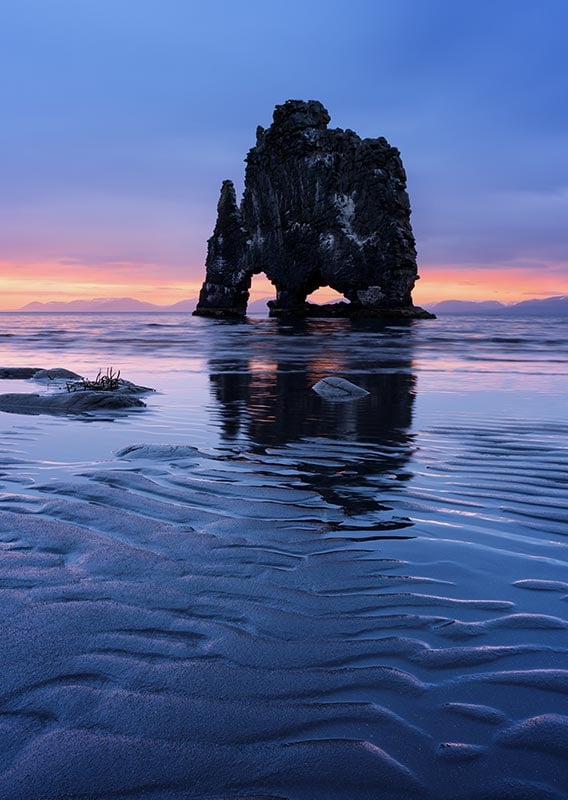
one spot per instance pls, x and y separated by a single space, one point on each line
265 398
267 395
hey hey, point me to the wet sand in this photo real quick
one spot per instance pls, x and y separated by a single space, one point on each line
299 599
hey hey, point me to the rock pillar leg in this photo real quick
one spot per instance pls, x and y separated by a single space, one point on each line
225 291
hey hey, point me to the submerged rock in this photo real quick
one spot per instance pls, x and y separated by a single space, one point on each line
67 402
158 452
74 396
17 373
56 374
321 207
80 396
338 389
38 374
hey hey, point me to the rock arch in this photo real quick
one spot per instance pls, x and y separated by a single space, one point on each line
321 207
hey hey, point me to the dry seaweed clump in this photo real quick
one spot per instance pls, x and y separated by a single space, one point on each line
109 381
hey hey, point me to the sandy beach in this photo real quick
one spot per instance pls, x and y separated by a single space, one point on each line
244 590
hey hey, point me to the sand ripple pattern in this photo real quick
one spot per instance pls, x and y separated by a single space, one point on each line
299 613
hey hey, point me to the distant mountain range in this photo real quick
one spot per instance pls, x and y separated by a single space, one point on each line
127 304
548 306
109 305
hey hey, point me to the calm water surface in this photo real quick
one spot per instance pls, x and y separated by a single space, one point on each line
319 600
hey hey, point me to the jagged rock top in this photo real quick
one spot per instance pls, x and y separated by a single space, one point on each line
296 115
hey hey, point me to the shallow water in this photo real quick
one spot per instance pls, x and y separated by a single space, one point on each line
348 601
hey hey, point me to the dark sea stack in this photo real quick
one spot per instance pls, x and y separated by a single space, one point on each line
321 207
225 291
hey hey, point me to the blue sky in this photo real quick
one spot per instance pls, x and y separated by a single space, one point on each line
122 117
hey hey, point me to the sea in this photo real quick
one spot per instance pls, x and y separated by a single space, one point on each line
244 590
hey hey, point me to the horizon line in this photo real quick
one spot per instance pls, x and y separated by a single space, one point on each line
167 307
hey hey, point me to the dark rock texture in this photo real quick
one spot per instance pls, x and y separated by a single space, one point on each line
80 397
17 373
321 207
225 291
67 402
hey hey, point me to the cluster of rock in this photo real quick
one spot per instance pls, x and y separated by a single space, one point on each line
321 207
68 393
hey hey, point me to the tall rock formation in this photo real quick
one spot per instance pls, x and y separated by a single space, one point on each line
321 207
225 291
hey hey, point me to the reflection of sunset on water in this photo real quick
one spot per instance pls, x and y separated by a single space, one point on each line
268 395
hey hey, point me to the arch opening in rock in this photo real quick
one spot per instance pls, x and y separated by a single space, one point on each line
326 295
262 291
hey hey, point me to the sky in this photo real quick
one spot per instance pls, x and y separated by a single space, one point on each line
120 119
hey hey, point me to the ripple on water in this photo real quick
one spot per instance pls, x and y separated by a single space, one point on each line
272 598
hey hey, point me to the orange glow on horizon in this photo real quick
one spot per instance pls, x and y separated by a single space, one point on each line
47 282
44 282
505 284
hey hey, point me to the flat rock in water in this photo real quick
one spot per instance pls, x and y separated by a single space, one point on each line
127 387
158 452
338 389
58 373
68 402
18 373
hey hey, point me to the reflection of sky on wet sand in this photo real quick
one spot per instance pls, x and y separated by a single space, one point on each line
217 379
335 580
222 383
